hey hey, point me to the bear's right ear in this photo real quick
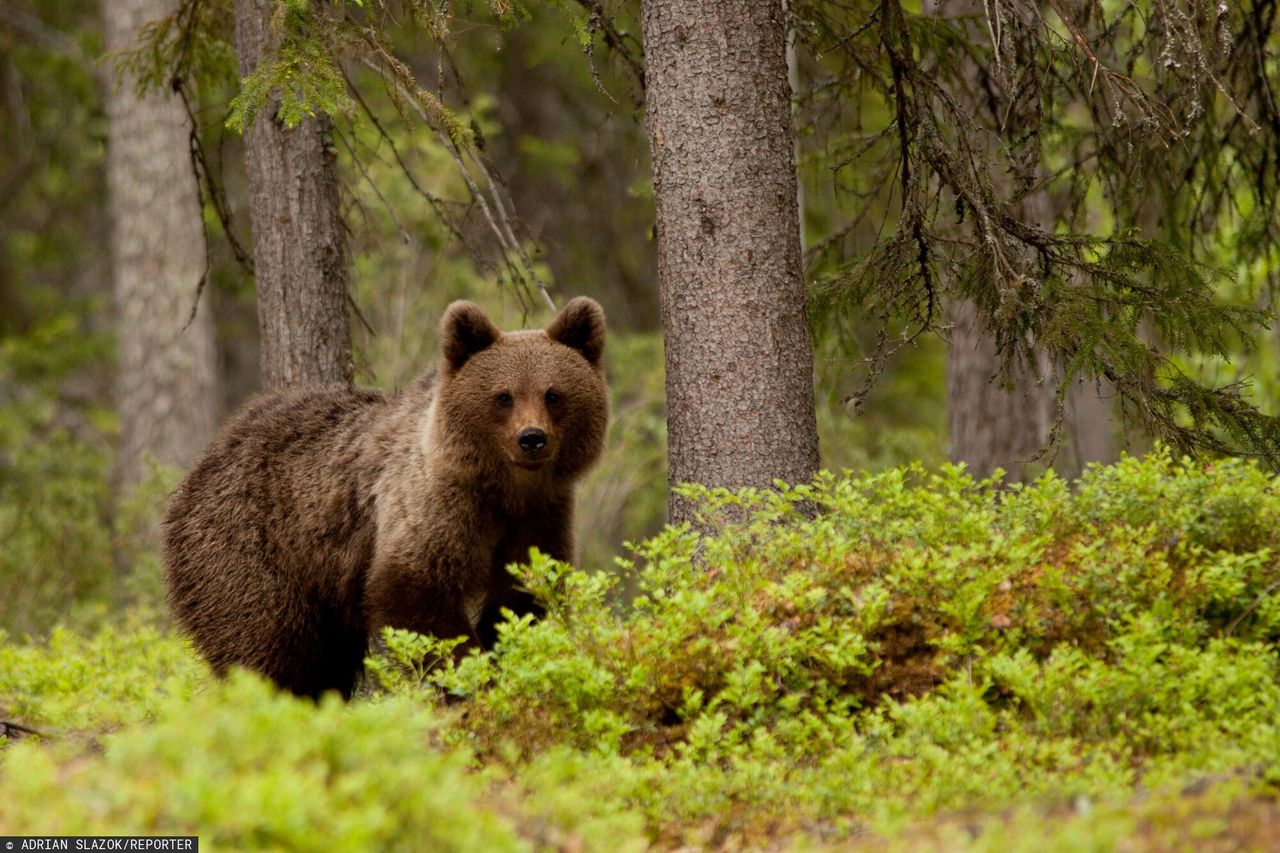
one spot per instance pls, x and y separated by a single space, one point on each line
464 331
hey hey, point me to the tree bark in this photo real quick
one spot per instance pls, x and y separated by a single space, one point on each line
299 249
739 358
1091 431
166 385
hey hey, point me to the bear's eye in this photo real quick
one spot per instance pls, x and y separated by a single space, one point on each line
553 398
505 400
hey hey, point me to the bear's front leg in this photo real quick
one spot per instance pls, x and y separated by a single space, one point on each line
551 532
429 596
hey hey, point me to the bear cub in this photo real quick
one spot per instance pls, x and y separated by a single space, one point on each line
318 516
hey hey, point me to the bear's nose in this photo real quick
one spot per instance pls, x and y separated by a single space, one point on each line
531 439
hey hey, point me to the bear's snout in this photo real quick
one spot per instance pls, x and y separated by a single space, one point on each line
532 440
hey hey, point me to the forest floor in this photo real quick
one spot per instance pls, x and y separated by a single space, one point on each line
929 663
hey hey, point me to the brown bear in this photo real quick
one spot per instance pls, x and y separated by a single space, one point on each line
318 516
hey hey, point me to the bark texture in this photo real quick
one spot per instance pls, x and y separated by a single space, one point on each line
299 249
738 355
166 387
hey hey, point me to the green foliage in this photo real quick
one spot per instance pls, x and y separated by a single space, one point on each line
407 660
303 66
307 79
52 152
911 659
874 423
922 643
1078 177
248 768
94 684
190 50
55 544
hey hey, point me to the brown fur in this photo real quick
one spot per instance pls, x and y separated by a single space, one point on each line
318 516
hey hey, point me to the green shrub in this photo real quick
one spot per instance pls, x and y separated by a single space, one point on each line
911 659
246 767
95 683
922 642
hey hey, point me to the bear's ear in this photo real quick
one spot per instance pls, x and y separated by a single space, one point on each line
464 331
580 325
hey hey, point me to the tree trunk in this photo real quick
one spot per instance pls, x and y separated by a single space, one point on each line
166 387
1090 431
1000 421
996 426
738 355
299 250
995 423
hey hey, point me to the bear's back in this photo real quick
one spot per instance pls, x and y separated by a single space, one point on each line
284 451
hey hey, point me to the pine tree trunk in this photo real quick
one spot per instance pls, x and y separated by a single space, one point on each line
166 387
998 420
995 423
1091 428
738 355
299 249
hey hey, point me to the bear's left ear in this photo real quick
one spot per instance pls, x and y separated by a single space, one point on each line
465 331
580 325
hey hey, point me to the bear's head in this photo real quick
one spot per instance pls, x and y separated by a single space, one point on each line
528 400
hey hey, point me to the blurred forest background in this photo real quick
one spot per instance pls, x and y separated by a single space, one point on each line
556 191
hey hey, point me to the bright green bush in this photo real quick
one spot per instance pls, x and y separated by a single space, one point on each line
72 682
246 767
921 642
911 659
139 739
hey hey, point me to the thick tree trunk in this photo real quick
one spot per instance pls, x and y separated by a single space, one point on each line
299 249
738 355
166 387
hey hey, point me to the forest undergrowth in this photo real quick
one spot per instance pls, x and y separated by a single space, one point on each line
905 660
